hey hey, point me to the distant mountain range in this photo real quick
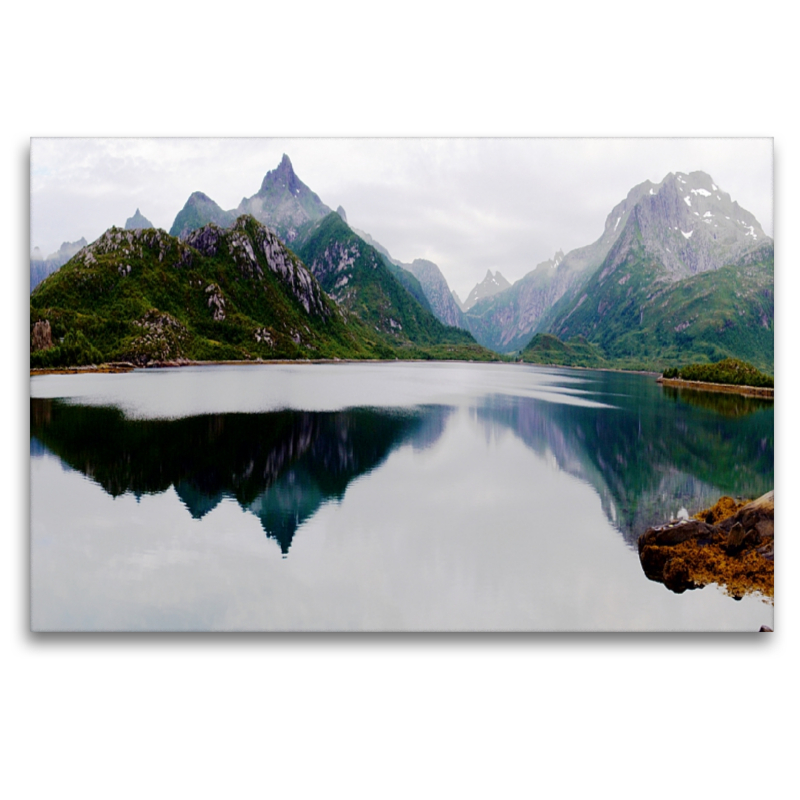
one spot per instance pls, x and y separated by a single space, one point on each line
41 267
680 271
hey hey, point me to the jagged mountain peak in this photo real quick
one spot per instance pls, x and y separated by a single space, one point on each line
492 284
138 220
282 177
284 202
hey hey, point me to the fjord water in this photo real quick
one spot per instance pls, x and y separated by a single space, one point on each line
382 497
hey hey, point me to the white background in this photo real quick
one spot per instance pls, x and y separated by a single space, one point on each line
383 716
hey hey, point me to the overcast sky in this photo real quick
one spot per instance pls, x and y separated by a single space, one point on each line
467 204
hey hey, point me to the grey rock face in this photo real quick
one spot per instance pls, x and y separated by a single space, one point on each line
690 225
437 292
246 247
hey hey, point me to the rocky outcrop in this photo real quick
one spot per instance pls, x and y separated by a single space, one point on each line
41 336
162 339
732 545
127 244
247 241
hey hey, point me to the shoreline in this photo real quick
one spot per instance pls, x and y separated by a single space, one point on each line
749 391
123 367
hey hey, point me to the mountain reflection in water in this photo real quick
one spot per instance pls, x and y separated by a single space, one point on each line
647 461
646 453
281 466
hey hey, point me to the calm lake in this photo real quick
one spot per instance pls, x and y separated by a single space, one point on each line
377 497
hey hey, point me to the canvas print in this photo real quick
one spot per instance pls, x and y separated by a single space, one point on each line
402 385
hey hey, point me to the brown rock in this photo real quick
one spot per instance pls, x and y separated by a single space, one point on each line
41 336
736 537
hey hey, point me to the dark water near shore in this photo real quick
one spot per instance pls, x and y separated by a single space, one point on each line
377 497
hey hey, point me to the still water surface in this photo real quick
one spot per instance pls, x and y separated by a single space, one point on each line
387 497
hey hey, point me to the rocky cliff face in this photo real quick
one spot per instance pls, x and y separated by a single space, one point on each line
690 225
437 292
243 241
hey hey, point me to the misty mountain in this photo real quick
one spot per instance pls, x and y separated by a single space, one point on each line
491 285
506 322
42 267
200 210
137 221
667 236
690 274
361 279
284 203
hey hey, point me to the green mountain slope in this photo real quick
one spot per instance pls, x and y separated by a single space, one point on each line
547 349
357 277
199 210
144 296
642 318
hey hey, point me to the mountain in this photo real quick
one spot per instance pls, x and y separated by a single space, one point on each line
359 279
489 286
289 208
284 203
437 292
425 281
690 275
670 235
143 296
42 267
199 210
506 322
458 301
138 221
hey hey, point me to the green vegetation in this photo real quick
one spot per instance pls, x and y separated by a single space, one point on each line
545 348
356 275
730 371
143 296
642 320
